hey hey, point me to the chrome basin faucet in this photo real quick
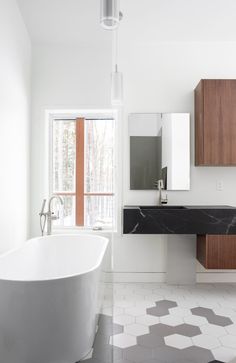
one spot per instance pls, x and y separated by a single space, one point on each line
49 216
163 199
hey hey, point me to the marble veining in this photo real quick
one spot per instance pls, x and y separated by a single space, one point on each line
175 220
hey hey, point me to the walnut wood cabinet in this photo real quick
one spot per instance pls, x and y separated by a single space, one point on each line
215 123
217 251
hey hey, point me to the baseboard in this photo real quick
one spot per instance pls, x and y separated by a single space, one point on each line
135 277
201 277
216 277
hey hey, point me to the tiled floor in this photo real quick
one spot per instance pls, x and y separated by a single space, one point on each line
159 323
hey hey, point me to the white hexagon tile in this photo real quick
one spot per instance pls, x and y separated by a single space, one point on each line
158 323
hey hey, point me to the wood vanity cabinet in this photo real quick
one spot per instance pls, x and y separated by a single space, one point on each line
215 123
217 251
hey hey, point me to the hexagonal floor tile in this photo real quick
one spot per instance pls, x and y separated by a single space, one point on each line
224 354
107 328
145 304
211 316
206 341
105 353
135 311
231 329
123 340
171 320
178 341
162 330
112 311
158 311
195 320
198 354
187 330
167 304
136 329
213 330
147 320
228 341
180 312
123 304
150 340
168 354
137 354
124 319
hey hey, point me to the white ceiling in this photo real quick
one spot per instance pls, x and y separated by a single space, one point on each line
150 21
77 21
63 21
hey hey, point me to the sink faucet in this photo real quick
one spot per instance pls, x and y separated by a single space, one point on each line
49 216
163 199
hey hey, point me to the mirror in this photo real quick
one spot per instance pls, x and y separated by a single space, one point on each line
159 149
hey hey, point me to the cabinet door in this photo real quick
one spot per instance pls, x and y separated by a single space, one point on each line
217 251
219 130
199 125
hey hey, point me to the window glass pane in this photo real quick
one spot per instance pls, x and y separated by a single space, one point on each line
98 209
99 155
64 148
67 212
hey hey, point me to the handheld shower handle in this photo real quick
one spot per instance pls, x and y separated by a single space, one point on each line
43 206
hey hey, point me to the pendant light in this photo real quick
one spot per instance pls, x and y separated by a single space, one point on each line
110 14
116 88
116 77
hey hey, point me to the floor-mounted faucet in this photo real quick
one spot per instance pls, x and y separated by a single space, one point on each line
163 198
49 216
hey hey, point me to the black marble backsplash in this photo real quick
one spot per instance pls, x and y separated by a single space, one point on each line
179 220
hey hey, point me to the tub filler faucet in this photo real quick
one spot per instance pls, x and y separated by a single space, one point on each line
49 216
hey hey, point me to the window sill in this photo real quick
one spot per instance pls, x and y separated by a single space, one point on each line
71 230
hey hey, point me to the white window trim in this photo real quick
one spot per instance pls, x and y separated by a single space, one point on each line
51 115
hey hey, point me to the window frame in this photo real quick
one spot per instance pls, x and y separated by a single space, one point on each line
79 193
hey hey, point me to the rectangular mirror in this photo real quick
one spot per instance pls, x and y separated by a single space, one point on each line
159 149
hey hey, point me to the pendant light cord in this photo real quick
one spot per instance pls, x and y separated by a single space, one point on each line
115 50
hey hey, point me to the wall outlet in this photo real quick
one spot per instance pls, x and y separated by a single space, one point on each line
219 185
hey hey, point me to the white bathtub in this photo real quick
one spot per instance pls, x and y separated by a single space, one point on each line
49 299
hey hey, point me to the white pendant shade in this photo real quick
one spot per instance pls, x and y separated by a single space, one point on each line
110 14
117 88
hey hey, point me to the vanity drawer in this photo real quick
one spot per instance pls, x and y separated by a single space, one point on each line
217 251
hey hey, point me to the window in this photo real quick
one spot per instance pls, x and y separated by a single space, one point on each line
82 170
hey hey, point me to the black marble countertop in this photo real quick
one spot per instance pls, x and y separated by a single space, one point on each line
169 219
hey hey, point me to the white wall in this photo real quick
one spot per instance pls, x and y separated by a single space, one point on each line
160 76
15 58
64 78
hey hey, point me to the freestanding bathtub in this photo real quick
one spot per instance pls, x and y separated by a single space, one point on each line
49 297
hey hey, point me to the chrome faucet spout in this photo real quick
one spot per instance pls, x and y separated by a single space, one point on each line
57 197
163 199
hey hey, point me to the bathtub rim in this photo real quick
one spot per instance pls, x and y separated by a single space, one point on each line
95 267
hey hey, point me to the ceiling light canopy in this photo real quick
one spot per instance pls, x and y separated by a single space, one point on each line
110 14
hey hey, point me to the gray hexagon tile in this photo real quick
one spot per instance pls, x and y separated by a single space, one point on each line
162 308
150 340
211 317
162 330
137 354
187 330
168 354
198 354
